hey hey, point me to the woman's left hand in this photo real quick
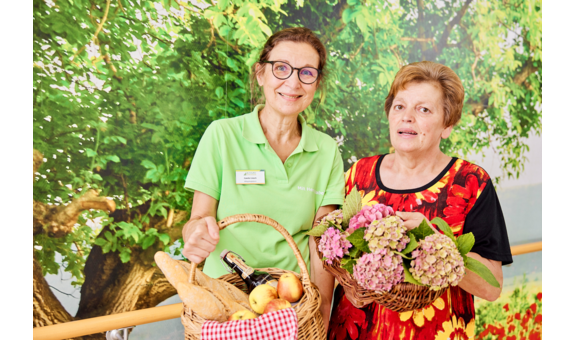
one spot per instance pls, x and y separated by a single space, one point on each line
413 219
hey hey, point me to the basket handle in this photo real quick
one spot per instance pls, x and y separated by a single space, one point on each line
264 220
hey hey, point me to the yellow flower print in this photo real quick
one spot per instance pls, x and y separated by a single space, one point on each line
457 330
366 199
419 315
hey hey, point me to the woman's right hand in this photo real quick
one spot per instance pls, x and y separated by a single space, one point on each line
202 236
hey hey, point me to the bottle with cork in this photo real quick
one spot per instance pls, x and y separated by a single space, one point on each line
250 276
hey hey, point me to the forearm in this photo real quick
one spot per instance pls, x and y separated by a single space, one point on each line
323 280
475 285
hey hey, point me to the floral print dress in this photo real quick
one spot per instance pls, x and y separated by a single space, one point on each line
463 195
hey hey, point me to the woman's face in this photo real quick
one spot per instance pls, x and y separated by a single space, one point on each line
289 96
416 119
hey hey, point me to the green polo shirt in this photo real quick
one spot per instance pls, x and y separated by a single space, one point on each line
311 177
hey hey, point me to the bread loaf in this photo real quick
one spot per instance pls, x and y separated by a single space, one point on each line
173 271
202 302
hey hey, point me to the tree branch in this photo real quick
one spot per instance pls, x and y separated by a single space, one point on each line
456 20
58 220
98 29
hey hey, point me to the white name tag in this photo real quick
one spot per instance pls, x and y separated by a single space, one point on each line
250 177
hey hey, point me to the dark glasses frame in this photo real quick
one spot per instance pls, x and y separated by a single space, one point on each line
291 72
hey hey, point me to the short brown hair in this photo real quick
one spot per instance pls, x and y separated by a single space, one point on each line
430 72
293 34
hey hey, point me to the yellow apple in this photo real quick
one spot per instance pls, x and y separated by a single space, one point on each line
260 296
242 315
276 304
290 287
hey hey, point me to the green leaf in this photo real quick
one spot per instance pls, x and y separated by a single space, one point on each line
354 252
219 92
444 227
125 255
347 263
148 241
351 205
317 230
465 242
148 165
90 152
421 232
165 238
407 275
411 245
114 158
481 270
100 241
356 238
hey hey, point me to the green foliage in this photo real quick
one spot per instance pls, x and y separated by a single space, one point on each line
356 238
119 105
444 227
351 206
419 233
481 270
347 263
317 230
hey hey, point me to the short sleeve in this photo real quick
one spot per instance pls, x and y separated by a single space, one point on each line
485 220
205 173
334 192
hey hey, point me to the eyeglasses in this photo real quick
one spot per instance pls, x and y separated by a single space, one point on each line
283 70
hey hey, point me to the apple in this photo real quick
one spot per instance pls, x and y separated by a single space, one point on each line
290 287
242 315
260 296
276 304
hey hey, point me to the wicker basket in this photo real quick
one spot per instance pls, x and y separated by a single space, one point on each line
310 321
402 297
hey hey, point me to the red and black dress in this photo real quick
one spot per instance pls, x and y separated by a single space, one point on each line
463 195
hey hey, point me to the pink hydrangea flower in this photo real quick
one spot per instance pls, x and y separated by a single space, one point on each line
388 232
333 244
367 215
437 262
379 272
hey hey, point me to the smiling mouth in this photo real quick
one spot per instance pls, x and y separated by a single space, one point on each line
289 97
410 133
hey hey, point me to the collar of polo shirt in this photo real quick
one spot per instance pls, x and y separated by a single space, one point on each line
252 131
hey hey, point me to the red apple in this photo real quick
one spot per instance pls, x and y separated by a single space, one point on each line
290 287
276 304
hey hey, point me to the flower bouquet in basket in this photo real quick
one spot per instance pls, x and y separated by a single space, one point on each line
375 258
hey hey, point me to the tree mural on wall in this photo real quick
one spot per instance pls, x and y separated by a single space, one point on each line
123 91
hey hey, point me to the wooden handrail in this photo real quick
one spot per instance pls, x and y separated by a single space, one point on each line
100 324
527 248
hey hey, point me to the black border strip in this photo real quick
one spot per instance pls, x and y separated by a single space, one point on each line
410 191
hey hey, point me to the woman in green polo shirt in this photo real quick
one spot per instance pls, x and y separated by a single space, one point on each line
268 162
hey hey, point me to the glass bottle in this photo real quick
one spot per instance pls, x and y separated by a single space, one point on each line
250 276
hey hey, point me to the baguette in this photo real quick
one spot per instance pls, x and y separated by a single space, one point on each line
203 303
174 272
224 289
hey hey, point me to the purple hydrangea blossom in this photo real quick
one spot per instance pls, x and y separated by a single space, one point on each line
437 262
379 272
388 232
367 215
333 244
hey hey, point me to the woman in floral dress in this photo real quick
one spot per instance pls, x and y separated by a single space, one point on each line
419 181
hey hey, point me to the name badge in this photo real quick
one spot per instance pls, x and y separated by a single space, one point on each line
250 177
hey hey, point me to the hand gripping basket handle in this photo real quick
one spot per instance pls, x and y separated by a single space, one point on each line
272 223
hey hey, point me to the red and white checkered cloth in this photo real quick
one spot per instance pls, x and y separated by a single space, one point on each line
281 324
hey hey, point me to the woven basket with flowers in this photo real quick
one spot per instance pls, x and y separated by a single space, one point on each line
376 259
